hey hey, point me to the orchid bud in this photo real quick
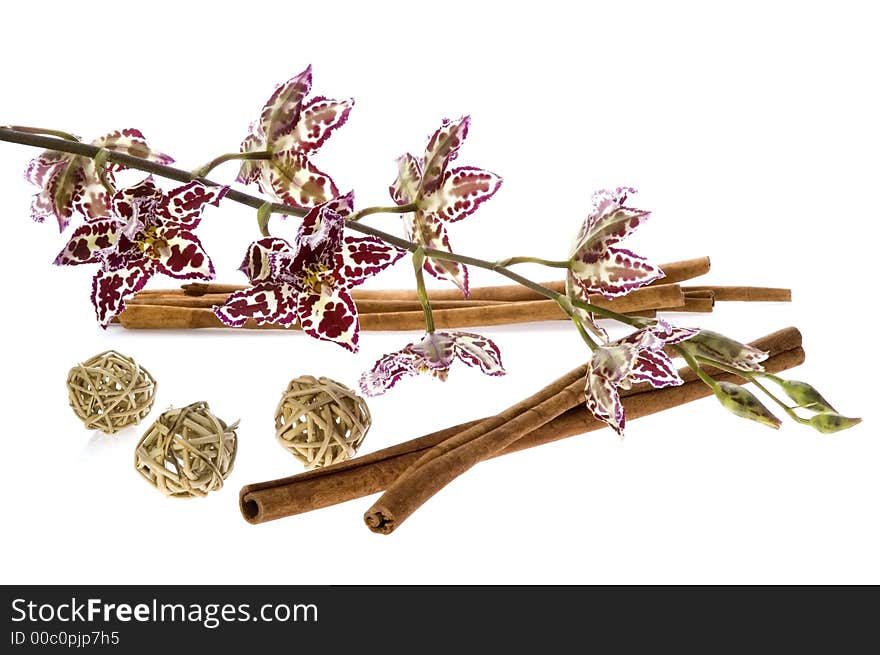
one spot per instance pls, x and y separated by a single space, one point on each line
743 402
832 422
714 346
806 396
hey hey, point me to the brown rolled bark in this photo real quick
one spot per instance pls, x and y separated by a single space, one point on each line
376 471
150 316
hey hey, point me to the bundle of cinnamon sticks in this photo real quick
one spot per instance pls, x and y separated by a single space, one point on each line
190 306
413 471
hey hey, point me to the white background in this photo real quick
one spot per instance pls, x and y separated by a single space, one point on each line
752 134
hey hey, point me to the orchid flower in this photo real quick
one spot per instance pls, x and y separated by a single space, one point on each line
434 354
70 183
597 265
291 130
442 195
147 232
309 282
638 357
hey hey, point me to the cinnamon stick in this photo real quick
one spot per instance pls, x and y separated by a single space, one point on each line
745 294
675 272
147 316
449 459
208 300
374 472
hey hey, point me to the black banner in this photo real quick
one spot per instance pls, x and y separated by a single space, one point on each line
412 618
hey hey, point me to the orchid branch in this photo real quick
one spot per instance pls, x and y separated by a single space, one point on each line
266 207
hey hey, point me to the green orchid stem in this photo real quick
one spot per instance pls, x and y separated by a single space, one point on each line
695 367
510 261
397 209
752 376
202 171
39 140
40 130
565 303
418 260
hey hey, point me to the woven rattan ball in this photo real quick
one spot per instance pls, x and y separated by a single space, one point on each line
321 421
187 452
110 391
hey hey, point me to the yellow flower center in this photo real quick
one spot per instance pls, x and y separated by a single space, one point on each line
150 243
318 279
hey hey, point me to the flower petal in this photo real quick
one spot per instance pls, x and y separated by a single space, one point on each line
609 221
319 117
184 204
386 372
110 288
41 167
613 272
87 241
318 241
441 149
43 203
250 170
364 257
294 180
90 197
265 302
427 231
131 142
462 191
478 351
603 401
182 255
281 112
409 176
257 263
123 201
330 317
656 368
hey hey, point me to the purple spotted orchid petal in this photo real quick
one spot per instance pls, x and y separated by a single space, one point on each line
604 403
111 287
282 111
363 257
88 241
427 231
434 353
184 204
409 175
320 116
461 192
257 263
386 372
293 179
127 203
330 317
672 334
478 351
179 254
265 302
656 368
612 272
132 142
250 170
610 367
441 149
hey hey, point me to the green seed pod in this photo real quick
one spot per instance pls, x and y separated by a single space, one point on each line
714 346
832 422
806 396
743 402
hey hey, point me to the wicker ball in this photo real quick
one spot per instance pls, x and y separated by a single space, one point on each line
187 452
110 391
321 421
